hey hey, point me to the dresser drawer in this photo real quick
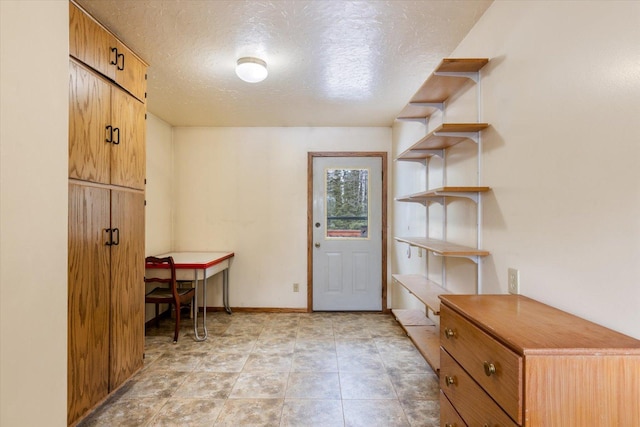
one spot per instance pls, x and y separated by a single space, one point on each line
448 415
497 369
472 403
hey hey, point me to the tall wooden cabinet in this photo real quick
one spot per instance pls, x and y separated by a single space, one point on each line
106 214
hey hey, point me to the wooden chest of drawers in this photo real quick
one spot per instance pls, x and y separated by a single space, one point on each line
507 360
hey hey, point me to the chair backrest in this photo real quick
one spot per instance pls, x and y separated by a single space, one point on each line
160 264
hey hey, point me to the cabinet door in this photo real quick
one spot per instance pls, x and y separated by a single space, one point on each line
89 116
88 301
127 285
131 72
91 43
128 156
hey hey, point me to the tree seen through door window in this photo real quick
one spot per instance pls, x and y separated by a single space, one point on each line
347 202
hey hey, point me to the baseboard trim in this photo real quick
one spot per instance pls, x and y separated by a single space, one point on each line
257 309
279 310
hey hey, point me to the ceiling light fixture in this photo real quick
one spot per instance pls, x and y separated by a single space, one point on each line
252 70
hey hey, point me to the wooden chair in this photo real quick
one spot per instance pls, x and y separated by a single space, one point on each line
171 295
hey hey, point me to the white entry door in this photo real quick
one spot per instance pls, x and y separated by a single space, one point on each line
347 233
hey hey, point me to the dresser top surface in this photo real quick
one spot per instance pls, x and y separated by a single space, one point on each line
529 327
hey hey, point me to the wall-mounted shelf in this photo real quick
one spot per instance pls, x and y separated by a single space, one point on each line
421 329
408 317
437 194
427 291
427 341
451 77
445 136
448 78
443 248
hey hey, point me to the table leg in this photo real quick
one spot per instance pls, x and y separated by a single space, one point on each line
197 336
204 303
225 290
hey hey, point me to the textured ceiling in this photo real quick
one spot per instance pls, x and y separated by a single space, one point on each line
331 63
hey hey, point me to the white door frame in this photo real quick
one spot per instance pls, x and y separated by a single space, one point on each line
310 156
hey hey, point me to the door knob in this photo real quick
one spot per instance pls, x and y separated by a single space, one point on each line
317 245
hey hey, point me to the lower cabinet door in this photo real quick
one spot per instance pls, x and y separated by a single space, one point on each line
474 405
88 300
127 285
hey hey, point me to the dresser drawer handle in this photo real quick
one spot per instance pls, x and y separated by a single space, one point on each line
449 333
449 380
450 425
489 369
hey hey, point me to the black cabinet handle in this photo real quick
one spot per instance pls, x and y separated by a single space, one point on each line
119 65
109 237
114 61
117 233
109 130
117 132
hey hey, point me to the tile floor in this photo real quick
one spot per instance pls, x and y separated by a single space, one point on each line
278 369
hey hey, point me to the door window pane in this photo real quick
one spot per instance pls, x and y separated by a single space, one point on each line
347 203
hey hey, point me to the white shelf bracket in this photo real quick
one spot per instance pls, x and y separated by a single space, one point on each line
470 135
471 195
474 258
473 75
422 120
437 153
438 105
413 200
439 199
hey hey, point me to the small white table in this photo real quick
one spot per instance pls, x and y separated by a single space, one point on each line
194 266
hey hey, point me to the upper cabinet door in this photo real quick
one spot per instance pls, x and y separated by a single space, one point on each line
131 72
89 118
92 44
128 152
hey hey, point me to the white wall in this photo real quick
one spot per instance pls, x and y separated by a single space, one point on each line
245 190
159 187
562 95
33 212
158 194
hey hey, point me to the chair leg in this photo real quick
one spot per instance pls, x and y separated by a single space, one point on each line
175 335
157 315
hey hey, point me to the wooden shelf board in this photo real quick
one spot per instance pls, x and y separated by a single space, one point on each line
411 317
427 291
435 140
461 65
427 341
441 192
442 248
414 155
439 88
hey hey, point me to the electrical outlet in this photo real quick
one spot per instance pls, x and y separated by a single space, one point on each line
296 287
514 281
